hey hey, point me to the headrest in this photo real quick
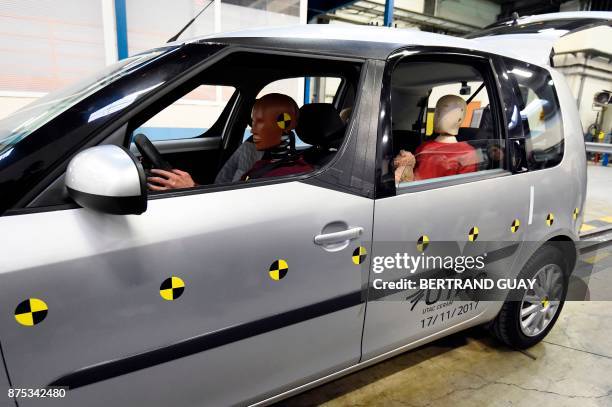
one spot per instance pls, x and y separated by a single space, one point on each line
319 124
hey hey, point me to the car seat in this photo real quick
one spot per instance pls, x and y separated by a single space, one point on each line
320 126
480 138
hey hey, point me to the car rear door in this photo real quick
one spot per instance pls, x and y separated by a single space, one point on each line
214 297
484 213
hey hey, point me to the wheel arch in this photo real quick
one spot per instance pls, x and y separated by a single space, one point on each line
568 248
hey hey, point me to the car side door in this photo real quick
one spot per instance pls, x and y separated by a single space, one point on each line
483 212
215 296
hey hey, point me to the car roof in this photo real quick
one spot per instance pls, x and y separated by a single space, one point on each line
347 40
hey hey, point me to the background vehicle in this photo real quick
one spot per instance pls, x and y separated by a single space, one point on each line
233 334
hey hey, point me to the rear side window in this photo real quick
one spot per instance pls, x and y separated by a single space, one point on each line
443 123
540 114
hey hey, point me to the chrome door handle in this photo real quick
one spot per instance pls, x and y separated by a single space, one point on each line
338 237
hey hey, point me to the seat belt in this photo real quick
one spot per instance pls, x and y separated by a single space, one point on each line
269 167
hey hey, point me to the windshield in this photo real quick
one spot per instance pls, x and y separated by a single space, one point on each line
26 120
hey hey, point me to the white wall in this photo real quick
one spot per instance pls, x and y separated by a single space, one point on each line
586 75
599 38
151 23
47 44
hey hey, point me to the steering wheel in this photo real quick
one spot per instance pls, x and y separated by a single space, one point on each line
151 158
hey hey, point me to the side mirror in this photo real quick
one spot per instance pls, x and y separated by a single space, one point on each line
107 179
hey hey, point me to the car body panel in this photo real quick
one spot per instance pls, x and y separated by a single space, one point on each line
4 383
100 276
368 41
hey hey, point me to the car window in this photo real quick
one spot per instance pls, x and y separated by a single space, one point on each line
309 134
319 89
449 142
540 114
188 117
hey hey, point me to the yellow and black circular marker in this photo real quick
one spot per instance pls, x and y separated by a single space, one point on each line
422 243
31 312
514 227
278 269
283 120
172 288
550 218
359 255
575 213
473 234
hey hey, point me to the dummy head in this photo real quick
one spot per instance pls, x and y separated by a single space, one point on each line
450 112
273 115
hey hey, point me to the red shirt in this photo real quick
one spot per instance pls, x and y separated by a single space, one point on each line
296 167
435 159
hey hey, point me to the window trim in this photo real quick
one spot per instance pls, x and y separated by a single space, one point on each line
351 129
385 183
451 180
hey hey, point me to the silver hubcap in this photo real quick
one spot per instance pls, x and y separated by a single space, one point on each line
541 303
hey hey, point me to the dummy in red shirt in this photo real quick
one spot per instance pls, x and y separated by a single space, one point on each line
435 159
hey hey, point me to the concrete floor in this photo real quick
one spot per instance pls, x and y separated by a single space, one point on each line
571 367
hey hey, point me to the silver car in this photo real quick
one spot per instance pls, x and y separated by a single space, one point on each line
239 292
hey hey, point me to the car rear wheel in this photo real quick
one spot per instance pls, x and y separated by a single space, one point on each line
527 317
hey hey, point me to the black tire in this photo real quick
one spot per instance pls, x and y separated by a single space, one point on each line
506 326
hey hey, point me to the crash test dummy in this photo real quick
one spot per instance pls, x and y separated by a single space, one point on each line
274 118
444 155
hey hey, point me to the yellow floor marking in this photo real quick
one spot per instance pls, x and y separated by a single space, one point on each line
607 219
596 258
585 227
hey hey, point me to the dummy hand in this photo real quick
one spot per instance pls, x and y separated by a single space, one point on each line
404 164
173 179
495 153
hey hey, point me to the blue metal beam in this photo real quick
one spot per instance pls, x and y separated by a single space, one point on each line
307 90
121 24
389 13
